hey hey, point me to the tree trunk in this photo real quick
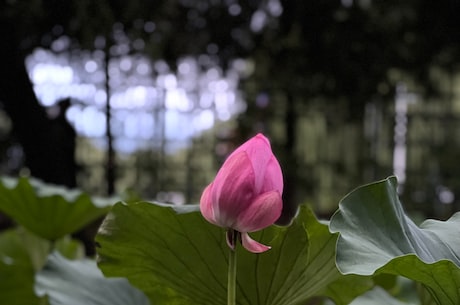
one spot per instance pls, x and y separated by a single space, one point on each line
46 143
290 203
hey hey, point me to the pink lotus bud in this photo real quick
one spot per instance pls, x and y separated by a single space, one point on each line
246 194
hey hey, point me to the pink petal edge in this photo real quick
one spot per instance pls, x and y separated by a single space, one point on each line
251 245
254 141
261 213
273 179
233 189
206 205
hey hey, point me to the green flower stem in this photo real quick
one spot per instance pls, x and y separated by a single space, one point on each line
231 286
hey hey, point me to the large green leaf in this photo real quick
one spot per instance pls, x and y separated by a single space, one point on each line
378 296
47 210
18 267
402 292
377 237
176 257
79 282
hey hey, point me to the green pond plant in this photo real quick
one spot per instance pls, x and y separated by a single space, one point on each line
369 252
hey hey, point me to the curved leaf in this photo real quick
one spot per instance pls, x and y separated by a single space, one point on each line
17 268
176 257
378 296
47 210
81 282
70 248
377 237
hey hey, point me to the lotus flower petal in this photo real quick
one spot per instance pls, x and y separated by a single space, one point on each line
251 245
261 213
233 189
273 179
206 205
246 194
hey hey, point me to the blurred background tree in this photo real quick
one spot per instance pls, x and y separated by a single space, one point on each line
320 78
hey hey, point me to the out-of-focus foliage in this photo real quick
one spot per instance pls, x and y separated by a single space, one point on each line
324 87
49 211
172 255
81 282
318 73
167 29
17 267
38 267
